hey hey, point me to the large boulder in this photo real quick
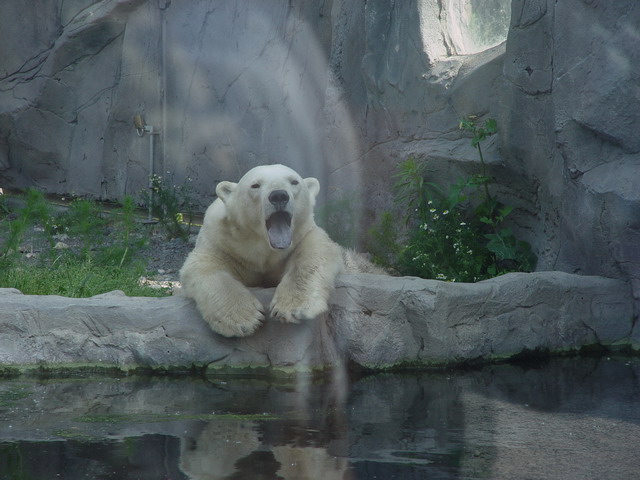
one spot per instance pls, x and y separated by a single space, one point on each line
376 322
569 102
382 321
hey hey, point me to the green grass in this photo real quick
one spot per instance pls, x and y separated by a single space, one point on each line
93 266
73 277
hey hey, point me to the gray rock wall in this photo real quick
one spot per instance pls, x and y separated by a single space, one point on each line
228 84
342 90
569 102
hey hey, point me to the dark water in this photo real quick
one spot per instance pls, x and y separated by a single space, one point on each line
565 419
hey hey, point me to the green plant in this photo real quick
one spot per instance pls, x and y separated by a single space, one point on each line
441 242
489 205
100 264
125 242
35 211
4 204
170 204
383 243
445 236
73 276
84 220
507 252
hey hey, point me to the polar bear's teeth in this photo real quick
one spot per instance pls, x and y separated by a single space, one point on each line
279 230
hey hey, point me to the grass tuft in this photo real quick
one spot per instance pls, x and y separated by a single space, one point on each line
78 278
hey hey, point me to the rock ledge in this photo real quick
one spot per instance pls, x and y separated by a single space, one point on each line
376 322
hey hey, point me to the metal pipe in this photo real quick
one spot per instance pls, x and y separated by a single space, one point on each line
149 213
163 5
151 131
142 128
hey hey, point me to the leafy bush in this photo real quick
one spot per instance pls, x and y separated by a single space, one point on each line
170 204
444 236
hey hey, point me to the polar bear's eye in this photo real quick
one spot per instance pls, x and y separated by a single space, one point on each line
255 185
294 182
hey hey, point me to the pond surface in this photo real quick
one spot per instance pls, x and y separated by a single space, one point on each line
564 419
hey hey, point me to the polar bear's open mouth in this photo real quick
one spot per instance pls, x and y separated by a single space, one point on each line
279 229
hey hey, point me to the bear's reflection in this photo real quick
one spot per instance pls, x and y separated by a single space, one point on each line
213 453
245 450
306 441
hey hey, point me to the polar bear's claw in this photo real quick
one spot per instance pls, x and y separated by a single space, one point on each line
244 318
239 327
286 317
295 313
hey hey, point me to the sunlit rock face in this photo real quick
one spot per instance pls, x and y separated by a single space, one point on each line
476 25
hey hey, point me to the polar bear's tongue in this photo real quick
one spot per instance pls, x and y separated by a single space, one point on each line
279 229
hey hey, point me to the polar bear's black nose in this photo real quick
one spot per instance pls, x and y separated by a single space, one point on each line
279 198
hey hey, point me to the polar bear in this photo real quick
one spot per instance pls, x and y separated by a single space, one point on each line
260 232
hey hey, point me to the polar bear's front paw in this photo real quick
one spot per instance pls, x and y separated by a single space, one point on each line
240 320
287 309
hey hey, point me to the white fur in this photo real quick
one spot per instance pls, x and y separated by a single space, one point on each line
233 252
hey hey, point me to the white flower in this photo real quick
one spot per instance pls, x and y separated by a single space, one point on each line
432 210
441 276
446 212
462 224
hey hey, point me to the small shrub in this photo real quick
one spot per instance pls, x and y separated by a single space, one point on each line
444 237
126 241
84 220
35 211
170 204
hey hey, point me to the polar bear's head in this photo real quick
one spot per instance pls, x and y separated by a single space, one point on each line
272 201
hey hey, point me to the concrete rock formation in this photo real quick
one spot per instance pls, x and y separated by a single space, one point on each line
571 99
376 322
341 90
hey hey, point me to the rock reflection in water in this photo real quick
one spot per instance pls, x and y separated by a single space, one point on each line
577 418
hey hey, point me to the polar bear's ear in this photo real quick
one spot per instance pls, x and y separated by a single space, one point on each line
224 189
313 185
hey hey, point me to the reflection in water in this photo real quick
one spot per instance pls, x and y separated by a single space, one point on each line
571 418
